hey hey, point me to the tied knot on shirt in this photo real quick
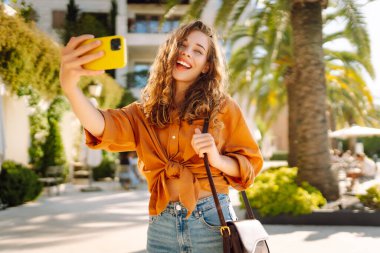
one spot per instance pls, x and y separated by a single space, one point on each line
173 169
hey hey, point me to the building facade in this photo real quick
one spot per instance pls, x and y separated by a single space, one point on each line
139 22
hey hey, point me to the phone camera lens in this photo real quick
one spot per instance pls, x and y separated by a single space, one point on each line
115 44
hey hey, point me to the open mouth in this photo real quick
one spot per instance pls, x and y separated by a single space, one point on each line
182 65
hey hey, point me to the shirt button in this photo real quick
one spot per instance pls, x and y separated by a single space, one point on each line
178 207
173 137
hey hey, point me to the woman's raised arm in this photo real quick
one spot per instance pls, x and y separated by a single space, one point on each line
72 58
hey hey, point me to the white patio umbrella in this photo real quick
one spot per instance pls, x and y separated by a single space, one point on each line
355 131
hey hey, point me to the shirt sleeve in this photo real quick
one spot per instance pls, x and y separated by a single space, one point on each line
241 146
119 131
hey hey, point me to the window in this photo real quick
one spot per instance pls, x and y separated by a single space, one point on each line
58 19
170 24
141 24
146 24
153 24
150 24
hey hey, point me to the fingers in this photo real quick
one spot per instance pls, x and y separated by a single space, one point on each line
74 42
199 136
197 132
85 48
74 55
85 59
205 148
202 142
89 58
81 50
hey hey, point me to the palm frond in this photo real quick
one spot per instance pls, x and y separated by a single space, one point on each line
261 39
239 9
223 13
278 24
251 27
355 30
350 59
333 36
348 95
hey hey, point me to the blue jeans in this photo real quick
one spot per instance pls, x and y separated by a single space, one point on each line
170 232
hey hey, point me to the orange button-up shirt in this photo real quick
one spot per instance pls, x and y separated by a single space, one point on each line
166 153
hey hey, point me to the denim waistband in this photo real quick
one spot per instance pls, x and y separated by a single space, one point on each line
202 205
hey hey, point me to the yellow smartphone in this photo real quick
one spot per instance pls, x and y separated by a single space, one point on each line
115 53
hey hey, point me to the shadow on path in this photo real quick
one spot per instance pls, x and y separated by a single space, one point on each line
70 218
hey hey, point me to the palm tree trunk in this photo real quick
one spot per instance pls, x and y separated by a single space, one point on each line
292 117
313 156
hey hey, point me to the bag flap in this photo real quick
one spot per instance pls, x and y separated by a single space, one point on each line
251 232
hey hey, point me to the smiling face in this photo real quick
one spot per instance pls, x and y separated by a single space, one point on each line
192 58
176 82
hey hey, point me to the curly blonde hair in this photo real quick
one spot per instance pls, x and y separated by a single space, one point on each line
202 99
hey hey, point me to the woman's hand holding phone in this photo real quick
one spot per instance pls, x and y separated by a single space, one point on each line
73 56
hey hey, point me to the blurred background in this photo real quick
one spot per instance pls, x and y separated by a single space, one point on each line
305 74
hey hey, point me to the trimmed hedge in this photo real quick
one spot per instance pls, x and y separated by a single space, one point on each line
18 184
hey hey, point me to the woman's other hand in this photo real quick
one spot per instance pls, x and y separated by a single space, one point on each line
205 143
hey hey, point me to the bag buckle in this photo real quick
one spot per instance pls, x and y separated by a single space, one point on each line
225 228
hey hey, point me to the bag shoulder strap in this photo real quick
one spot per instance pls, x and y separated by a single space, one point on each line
213 189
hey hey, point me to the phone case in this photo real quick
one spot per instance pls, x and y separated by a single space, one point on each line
115 55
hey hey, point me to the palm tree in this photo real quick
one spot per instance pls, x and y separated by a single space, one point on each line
272 27
311 132
309 91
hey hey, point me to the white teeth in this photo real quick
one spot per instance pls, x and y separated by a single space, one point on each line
184 64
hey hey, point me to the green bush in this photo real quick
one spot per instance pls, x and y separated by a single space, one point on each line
371 145
275 192
54 153
28 57
372 198
53 149
112 92
18 184
106 168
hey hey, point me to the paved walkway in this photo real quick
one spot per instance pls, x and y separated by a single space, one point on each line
115 220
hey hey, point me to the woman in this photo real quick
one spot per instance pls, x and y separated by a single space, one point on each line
187 84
